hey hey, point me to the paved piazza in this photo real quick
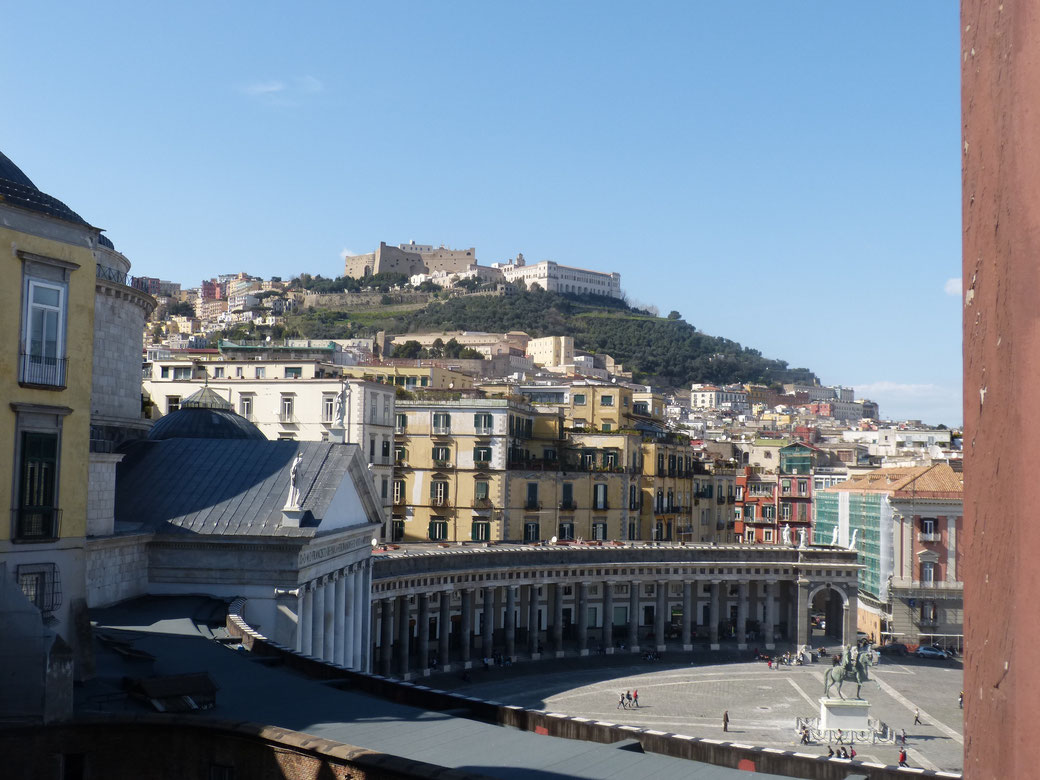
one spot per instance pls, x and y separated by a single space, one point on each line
762 703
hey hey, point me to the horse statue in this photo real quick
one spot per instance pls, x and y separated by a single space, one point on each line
852 668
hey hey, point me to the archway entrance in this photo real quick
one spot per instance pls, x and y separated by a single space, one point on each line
827 616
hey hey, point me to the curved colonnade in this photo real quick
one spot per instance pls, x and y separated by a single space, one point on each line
437 608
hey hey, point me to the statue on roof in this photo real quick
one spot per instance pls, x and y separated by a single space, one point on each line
834 537
341 405
786 534
293 502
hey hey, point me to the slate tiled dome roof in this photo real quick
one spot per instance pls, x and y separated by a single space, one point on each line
201 422
18 190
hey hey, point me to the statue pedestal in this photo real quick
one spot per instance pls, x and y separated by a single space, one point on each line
291 517
849 715
338 434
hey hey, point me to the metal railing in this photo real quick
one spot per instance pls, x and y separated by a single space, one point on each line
567 506
120 277
42 371
934 536
36 524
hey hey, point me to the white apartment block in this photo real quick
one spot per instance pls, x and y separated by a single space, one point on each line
711 397
887 442
551 350
553 277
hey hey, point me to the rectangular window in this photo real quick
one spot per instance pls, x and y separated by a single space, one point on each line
38 517
328 408
439 492
599 496
567 497
633 497
260 372
245 406
768 534
182 372
803 487
293 372
607 427
482 424
173 403
397 529
441 423
218 372
482 455
579 399
785 487
41 585
401 423
481 490
549 453
532 496
287 415
400 454
599 531
372 449
438 529
164 372
927 525
566 531
927 572
43 344
606 400
398 492
481 531
531 532
384 489
239 372
441 455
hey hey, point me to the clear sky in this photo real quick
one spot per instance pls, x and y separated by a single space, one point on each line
783 174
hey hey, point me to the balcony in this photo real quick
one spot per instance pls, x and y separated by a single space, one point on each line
601 506
482 463
399 501
532 505
482 503
935 589
731 499
287 418
482 430
42 371
934 536
439 501
568 506
441 464
442 430
36 524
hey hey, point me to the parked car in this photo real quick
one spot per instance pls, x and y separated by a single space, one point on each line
893 648
945 651
929 652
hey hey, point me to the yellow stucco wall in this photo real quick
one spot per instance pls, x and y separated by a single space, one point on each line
79 344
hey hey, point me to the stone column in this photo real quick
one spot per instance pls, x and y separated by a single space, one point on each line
444 632
713 617
557 629
318 620
851 619
659 611
510 622
339 617
303 619
633 616
802 613
488 641
687 614
386 632
742 615
466 627
404 635
329 619
364 626
422 630
533 629
608 617
581 615
350 618
768 624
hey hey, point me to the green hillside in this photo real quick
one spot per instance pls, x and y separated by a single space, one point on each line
659 350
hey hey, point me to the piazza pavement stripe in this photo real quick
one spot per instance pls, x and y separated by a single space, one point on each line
951 733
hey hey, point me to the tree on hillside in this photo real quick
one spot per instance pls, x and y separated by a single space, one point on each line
410 349
674 315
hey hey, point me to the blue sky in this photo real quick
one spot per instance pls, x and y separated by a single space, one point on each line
783 174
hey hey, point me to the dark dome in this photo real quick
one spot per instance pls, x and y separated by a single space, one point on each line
18 190
201 422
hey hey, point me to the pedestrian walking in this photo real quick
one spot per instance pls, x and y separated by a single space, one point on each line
628 696
725 720
902 736
635 698
805 736
621 703
841 736
769 662
852 752
960 700
917 717
902 758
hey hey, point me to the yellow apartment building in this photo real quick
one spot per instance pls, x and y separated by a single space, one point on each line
47 318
